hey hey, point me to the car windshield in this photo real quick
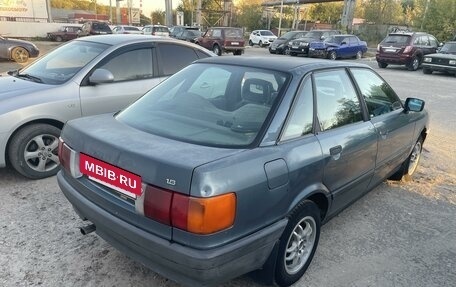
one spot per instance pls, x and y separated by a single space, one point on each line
333 39
397 39
266 33
129 28
207 104
194 33
64 62
313 34
449 48
101 27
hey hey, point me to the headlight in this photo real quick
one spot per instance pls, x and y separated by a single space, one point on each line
290 43
452 62
427 59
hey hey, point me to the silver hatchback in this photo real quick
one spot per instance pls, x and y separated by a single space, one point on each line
87 76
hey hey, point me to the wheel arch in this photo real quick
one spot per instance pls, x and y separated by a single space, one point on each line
10 50
52 122
318 194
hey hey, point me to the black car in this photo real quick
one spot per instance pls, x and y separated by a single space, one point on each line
17 50
94 28
405 48
281 44
444 60
188 35
301 45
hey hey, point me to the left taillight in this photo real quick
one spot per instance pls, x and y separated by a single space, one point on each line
69 159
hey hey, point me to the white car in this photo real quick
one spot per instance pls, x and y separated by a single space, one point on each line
156 30
261 38
123 29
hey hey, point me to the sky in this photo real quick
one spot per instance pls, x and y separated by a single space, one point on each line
148 5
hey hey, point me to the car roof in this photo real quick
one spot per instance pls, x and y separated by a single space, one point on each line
116 39
283 64
408 33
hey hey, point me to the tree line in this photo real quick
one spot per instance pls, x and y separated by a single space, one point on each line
437 17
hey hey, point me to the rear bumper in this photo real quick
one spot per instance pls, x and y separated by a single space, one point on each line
180 263
233 48
394 59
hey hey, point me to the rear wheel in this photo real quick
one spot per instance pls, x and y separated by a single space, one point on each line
33 151
382 65
427 71
359 55
250 43
298 243
414 64
20 55
216 49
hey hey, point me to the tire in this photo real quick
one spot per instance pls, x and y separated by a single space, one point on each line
286 50
293 54
332 55
20 55
260 43
410 165
250 43
427 71
216 49
58 39
414 64
33 151
359 55
382 65
298 242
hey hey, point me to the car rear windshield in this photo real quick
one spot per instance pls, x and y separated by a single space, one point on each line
208 104
233 33
397 39
161 29
131 29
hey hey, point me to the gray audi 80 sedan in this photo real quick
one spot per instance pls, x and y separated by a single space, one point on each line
232 164
87 76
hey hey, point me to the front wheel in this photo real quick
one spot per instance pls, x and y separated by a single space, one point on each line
332 55
20 55
216 49
260 43
33 151
298 243
410 165
427 71
382 65
286 50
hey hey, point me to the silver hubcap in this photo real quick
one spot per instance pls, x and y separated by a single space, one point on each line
415 64
414 158
332 56
41 153
216 50
300 245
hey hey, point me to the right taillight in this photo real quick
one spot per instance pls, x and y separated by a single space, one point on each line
193 214
408 49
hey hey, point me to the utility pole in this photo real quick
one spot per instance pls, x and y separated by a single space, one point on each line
118 20
280 19
169 12
347 15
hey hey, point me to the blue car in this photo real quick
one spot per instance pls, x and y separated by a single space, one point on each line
338 46
232 164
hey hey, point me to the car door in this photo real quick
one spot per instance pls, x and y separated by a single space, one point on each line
392 125
344 49
135 72
348 140
206 40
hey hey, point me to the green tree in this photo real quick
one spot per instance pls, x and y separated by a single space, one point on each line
326 12
249 15
157 16
438 19
383 12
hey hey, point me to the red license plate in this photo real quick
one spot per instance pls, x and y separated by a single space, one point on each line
116 178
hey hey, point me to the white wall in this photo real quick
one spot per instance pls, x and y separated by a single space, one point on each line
29 29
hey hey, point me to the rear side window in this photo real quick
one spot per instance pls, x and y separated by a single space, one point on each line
337 102
175 57
378 95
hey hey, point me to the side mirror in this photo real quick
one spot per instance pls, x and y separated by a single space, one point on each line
414 105
101 76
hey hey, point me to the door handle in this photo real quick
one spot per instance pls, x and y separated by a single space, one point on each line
335 150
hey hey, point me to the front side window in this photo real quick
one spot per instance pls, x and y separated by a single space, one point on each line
301 116
217 33
207 104
131 65
378 95
337 102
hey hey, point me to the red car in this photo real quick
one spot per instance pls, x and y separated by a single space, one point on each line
223 39
65 33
